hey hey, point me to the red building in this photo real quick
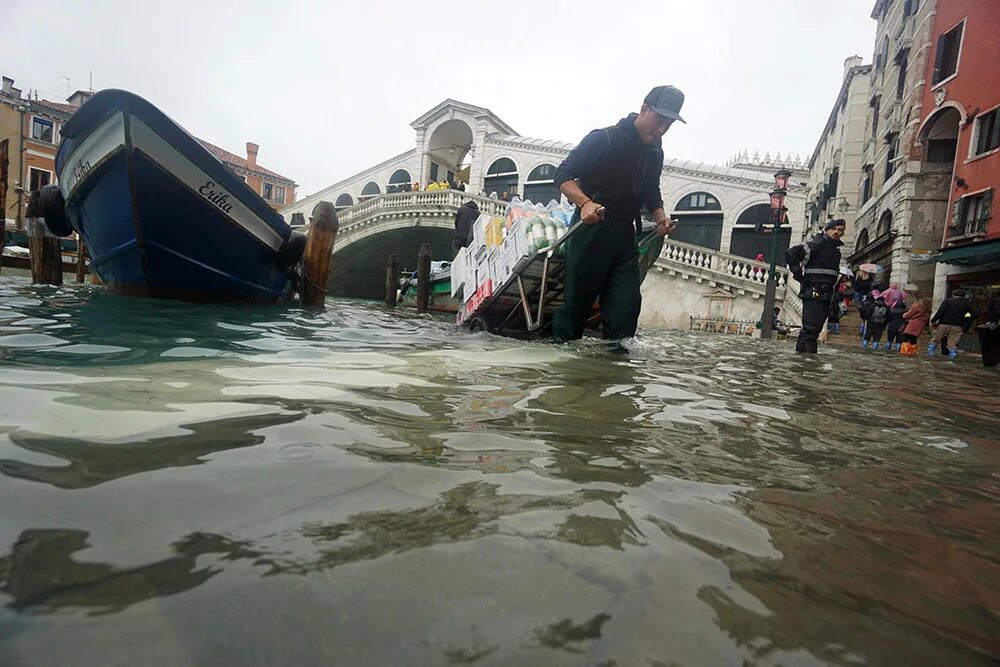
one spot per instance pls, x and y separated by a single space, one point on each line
961 126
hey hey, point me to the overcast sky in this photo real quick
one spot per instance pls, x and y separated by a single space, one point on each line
330 88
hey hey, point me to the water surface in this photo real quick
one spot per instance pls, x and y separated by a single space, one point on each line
195 485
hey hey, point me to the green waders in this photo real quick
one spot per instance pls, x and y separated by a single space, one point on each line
601 261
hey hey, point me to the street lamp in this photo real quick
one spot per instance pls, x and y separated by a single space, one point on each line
777 216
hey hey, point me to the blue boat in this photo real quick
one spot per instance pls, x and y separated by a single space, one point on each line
161 216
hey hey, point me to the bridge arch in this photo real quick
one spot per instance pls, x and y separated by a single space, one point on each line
701 218
370 190
448 149
539 186
344 200
399 181
752 234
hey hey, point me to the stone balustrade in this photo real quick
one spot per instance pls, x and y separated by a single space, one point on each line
710 261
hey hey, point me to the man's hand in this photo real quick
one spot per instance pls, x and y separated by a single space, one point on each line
591 212
665 226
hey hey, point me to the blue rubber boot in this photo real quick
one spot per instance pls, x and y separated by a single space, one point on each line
836 328
864 344
898 345
875 345
953 353
931 349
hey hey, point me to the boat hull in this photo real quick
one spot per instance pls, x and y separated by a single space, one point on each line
161 217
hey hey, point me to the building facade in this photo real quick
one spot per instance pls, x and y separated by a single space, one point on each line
277 190
719 207
901 208
960 132
835 166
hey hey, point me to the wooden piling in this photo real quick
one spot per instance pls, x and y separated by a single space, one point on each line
46 253
423 276
319 254
391 280
4 161
81 259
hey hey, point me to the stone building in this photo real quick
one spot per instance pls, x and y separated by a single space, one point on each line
901 201
960 135
835 166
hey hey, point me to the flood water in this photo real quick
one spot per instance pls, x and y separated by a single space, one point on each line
195 485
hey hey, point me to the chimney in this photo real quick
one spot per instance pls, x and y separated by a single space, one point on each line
79 97
851 63
252 149
8 85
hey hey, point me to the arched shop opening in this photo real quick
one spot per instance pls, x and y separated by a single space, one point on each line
539 186
448 153
370 190
700 215
752 235
343 201
501 177
399 181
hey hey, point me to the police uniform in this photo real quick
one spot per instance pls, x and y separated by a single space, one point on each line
617 170
816 265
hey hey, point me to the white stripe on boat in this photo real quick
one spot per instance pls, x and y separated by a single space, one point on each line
107 138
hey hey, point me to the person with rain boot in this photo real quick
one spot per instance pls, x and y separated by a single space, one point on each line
989 333
894 335
876 321
816 265
611 176
952 320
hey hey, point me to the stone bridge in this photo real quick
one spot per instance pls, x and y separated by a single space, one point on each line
687 280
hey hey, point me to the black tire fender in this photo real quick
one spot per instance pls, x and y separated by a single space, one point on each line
291 251
53 207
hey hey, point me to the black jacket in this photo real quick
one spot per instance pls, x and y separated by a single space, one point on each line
956 311
875 313
617 170
815 263
466 215
993 310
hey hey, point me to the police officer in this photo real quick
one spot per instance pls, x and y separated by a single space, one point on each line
610 176
816 265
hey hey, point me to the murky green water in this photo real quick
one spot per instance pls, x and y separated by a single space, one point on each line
192 485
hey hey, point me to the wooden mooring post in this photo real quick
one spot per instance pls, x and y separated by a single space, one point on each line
46 253
391 280
81 259
318 255
423 276
4 162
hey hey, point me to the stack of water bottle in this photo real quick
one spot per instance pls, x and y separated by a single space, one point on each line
499 244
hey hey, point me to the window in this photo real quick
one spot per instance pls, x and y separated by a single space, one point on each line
344 200
279 194
832 183
699 201
987 132
38 178
42 129
882 59
370 190
399 177
866 189
910 7
434 172
243 178
904 62
884 224
543 172
971 214
890 159
267 191
876 109
502 166
946 56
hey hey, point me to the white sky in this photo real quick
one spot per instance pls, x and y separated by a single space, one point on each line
330 88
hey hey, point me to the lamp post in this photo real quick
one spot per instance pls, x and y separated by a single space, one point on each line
777 215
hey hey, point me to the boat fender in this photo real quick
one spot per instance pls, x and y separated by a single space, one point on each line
54 210
291 251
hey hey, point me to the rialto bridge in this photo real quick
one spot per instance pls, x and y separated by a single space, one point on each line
719 210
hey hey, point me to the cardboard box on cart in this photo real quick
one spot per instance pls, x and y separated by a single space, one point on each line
458 272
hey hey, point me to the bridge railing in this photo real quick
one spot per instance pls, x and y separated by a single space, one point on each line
734 266
447 199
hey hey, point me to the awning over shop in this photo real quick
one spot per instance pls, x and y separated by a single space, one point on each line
974 254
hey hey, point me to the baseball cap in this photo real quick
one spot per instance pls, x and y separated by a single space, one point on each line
666 101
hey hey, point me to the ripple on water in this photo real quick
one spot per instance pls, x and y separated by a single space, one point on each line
185 483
